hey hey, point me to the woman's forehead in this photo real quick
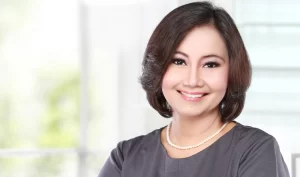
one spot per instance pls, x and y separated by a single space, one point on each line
203 40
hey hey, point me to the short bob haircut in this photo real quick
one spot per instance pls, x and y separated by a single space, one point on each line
167 37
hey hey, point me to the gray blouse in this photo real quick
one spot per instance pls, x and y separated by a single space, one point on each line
244 151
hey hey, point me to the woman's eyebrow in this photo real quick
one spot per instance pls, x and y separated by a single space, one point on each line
205 56
213 55
181 53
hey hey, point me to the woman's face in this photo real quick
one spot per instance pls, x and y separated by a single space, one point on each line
196 80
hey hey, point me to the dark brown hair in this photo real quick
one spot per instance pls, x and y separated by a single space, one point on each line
165 40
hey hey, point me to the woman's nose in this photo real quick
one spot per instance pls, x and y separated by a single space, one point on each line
193 78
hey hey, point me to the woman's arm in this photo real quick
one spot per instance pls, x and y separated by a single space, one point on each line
113 165
263 159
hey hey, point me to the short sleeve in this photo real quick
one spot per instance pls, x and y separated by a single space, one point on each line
263 159
113 166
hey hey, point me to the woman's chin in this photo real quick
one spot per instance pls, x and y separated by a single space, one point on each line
189 114
193 112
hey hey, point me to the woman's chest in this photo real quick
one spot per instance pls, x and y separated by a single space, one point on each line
208 164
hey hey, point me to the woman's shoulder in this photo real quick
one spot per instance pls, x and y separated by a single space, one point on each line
131 145
250 133
250 139
258 153
128 148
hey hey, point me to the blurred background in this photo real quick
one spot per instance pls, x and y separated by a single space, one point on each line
69 73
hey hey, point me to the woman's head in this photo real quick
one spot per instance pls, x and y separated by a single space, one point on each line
196 51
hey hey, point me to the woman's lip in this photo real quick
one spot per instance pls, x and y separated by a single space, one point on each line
192 99
193 93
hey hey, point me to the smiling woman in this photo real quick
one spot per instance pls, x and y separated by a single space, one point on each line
196 70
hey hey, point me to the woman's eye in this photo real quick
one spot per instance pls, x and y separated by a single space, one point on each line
178 62
211 65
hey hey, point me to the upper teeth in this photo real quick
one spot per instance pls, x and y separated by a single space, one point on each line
192 95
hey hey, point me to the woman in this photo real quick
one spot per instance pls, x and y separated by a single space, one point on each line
196 70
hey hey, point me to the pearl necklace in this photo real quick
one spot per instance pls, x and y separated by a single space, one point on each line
194 146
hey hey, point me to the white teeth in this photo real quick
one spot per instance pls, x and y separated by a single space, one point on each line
192 96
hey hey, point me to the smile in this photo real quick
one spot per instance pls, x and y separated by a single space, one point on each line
192 96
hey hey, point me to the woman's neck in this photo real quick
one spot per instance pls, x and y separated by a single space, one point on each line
186 131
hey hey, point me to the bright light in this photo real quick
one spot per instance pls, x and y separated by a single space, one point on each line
112 2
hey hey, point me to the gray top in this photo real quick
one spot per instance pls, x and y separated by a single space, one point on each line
244 151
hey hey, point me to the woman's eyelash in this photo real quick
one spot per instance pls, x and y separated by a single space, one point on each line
178 61
211 65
